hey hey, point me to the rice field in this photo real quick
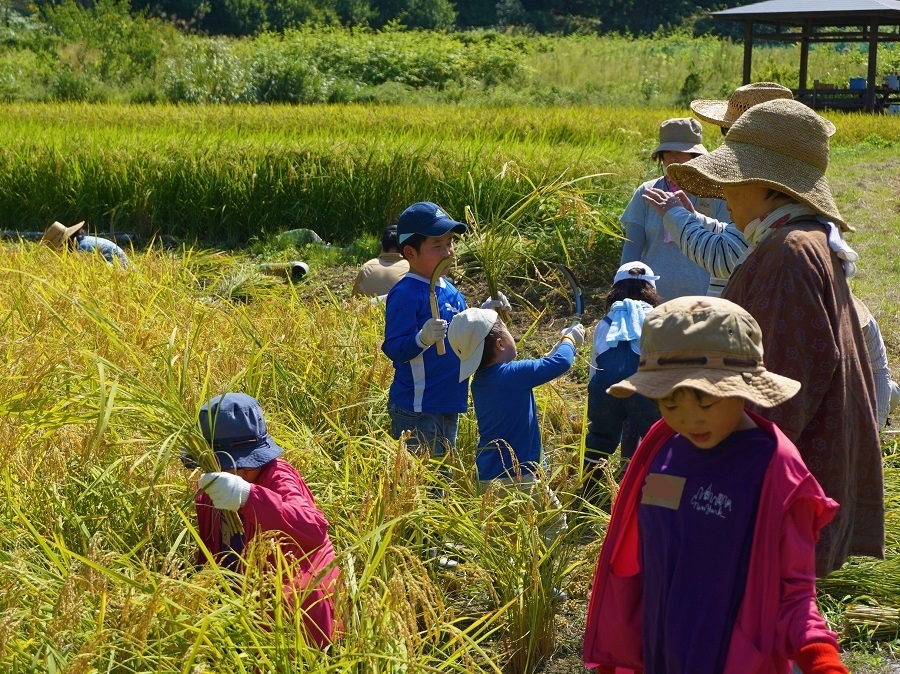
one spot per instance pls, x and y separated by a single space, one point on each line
103 372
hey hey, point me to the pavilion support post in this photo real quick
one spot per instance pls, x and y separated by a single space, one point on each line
804 58
873 63
748 50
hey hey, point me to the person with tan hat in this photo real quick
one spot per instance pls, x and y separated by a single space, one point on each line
793 280
647 240
60 237
708 562
715 246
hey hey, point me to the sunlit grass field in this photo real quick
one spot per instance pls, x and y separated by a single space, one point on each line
103 372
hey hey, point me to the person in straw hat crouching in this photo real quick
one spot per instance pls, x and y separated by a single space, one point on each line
708 565
60 237
793 280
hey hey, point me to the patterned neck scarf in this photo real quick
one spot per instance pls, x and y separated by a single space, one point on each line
758 230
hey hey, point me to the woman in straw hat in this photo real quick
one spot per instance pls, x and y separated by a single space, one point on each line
715 246
793 280
647 240
708 562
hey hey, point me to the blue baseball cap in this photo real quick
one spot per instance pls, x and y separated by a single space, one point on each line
239 436
428 219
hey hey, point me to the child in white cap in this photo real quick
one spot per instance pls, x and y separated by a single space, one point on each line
708 565
509 446
616 352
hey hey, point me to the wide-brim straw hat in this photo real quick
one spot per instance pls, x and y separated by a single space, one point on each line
726 113
707 344
681 134
57 234
781 144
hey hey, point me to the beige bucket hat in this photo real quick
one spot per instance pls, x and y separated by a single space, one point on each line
780 144
57 234
682 134
708 344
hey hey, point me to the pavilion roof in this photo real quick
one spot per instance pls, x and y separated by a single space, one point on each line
816 12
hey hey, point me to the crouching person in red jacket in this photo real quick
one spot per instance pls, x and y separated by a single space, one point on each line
269 496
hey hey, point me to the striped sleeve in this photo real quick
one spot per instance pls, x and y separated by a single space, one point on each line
878 359
714 245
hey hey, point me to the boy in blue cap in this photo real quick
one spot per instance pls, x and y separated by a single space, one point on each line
426 395
269 495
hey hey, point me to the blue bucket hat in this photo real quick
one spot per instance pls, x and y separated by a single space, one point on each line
239 435
428 219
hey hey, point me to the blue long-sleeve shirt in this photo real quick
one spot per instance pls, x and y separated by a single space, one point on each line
507 413
109 250
423 380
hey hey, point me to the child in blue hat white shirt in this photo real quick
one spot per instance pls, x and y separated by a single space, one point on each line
426 396
269 495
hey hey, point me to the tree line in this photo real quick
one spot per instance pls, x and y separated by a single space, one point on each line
247 17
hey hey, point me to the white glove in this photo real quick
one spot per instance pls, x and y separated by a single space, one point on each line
434 329
227 491
501 303
575 333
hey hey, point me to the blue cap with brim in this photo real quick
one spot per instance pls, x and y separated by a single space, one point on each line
428 219
239 435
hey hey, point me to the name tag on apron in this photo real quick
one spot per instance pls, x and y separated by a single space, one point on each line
663 490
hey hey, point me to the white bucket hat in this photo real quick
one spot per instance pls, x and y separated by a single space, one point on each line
466 336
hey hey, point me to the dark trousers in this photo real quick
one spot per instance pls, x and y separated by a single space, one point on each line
609 416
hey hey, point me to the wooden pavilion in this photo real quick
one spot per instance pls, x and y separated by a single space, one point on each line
811 21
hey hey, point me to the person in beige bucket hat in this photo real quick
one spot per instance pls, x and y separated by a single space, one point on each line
647 240
681 134
793 280
716 511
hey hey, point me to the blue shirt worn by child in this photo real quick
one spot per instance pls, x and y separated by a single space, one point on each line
109 250
423 380
506 410
695 522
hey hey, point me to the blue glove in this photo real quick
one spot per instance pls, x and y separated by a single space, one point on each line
227 491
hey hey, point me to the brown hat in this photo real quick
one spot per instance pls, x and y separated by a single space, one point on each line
708 344
682 134
57 234
725 113
780 144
